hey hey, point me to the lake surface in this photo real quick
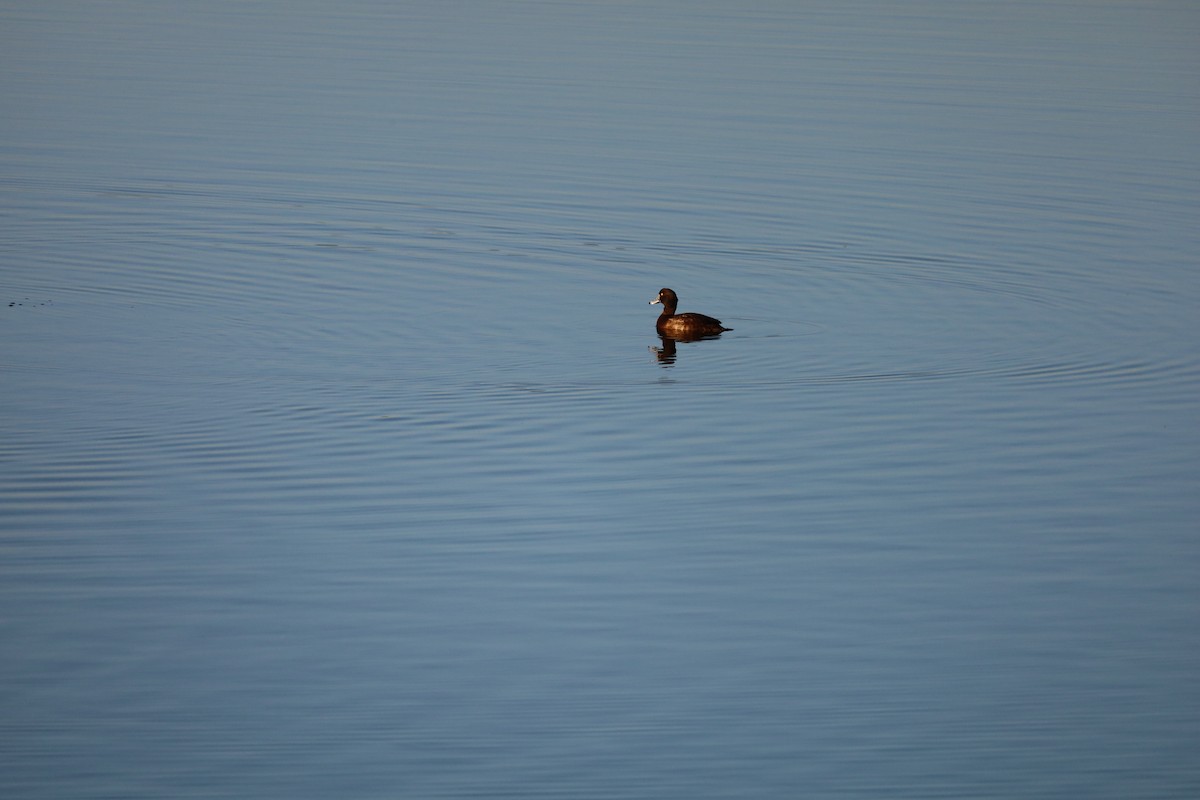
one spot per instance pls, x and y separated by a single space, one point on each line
339 456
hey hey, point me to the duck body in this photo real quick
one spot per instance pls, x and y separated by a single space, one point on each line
689 325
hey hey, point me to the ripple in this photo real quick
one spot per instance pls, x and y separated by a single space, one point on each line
844 316
763 369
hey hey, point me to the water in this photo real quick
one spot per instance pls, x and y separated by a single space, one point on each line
338 456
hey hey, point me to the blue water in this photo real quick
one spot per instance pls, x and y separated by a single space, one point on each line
339 456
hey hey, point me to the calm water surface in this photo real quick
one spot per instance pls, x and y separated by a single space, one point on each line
339 456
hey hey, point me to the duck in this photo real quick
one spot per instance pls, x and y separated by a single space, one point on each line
683 326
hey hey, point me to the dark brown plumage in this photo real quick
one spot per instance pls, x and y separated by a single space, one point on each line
683 326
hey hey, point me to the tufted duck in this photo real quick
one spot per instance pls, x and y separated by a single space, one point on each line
683 326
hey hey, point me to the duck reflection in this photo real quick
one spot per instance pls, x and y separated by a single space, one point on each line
666 353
